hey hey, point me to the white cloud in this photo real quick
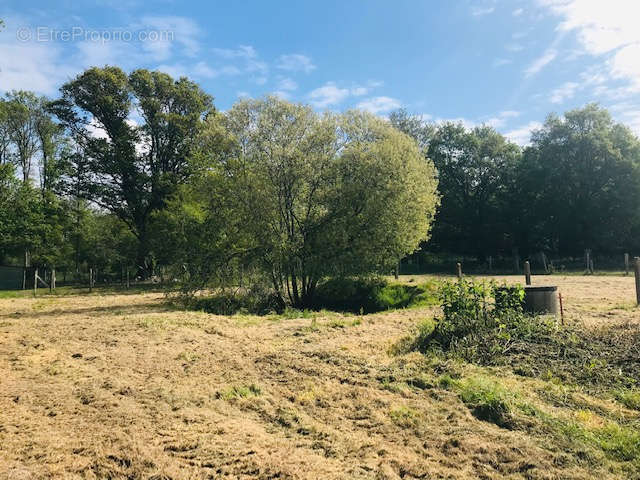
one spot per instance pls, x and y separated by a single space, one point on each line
564 92
377 105
501 119
517 12
295 62
480 11
522 135
601 26
243 51
607 30
539 63
173 30
514 47
246 60
327 95
499 62
287 84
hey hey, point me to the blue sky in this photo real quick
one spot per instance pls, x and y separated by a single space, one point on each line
504 63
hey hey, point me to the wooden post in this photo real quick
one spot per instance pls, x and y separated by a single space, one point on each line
527 273
543 259
90 279
587 256
591 266
53 279
459 270
637 272
127 278
35 282
626 264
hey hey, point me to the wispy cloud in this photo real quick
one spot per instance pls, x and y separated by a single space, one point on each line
331 94
477 11
542 61
381 104
564 92
522 134
501 119
499 62
286 84
295 62
327 95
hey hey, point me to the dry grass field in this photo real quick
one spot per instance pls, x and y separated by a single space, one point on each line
124 386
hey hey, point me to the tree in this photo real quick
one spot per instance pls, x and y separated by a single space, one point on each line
130 167
414 126
580 183
21 115
313 195
475 168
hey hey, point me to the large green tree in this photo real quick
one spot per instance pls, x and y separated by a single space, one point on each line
579 184
135 134
475 168
312 195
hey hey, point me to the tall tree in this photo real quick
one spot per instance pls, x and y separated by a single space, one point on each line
580 183
22 110
474 169
135 132
310 195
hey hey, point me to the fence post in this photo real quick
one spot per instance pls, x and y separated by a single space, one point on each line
53 279
459 270
90 279
527 272
127 278
626 264
637 272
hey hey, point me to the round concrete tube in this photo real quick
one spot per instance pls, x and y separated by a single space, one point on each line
541 299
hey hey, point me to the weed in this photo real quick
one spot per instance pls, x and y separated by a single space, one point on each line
403 416
236 392
629 398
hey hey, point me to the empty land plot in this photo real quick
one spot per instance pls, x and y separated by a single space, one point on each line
125 386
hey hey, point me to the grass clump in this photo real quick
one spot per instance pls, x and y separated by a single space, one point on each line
403 416
236 392
630 398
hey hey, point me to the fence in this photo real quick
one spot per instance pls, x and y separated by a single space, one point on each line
427 262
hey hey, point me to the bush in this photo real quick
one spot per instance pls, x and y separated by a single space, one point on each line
481 321
369 295
356 295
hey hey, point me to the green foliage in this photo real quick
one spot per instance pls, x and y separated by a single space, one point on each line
356 295
630 398
131 170
487 400
334 196
370 294
481 322
236 392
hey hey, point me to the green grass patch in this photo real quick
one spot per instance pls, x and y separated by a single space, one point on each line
236 392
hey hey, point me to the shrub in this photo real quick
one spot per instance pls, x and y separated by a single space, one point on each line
481 321
370 294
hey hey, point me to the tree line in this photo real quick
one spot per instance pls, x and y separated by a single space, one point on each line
575 187
139 171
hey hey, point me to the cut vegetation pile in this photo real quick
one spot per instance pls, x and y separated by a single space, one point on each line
125 386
